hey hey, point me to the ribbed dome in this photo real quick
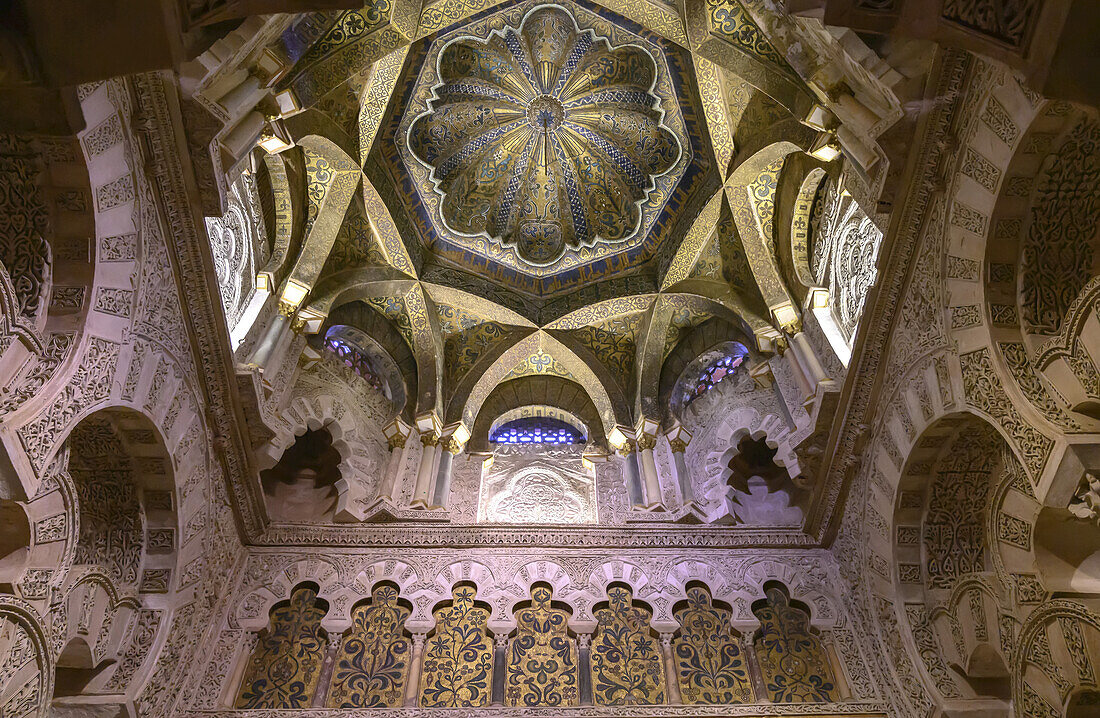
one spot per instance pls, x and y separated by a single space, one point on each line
544 137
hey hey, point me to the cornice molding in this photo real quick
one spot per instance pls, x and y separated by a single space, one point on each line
160 124
864 709
896 260
664 535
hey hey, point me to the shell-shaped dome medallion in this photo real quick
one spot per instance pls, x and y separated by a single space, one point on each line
544 137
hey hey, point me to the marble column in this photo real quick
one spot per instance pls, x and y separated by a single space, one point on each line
654 501
273 336
390 488
325 679
584 657
807 357
672 683
412 688
633 482
450 447
424 491
500 667
679 465
791 357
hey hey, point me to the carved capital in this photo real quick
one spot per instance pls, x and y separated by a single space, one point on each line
678 446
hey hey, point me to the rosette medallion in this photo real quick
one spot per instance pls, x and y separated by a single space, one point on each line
544 137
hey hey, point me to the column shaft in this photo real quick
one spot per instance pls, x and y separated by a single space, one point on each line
672 683
443 479
633 483
413 687
390 488
654 500
683 478
422 494
808 357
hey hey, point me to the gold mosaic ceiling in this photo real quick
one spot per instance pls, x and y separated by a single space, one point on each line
545 138
563 190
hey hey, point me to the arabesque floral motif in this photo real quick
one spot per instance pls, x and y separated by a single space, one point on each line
286 662
792 659
627 668
458 657
542 658
372 665
709 663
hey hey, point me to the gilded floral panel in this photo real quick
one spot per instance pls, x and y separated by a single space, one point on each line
542 658
792 660
710 666
286 663
458 656
372 665
626 663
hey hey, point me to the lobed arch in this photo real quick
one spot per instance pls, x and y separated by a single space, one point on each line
687 571
621 571
542 571
811 590
719 446
256 602
401 574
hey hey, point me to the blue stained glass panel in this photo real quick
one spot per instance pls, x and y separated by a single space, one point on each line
536 430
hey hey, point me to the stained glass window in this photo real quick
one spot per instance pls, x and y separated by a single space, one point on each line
536 430
714 373
355 359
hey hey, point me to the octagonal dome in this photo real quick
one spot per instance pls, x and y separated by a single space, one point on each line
544 137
